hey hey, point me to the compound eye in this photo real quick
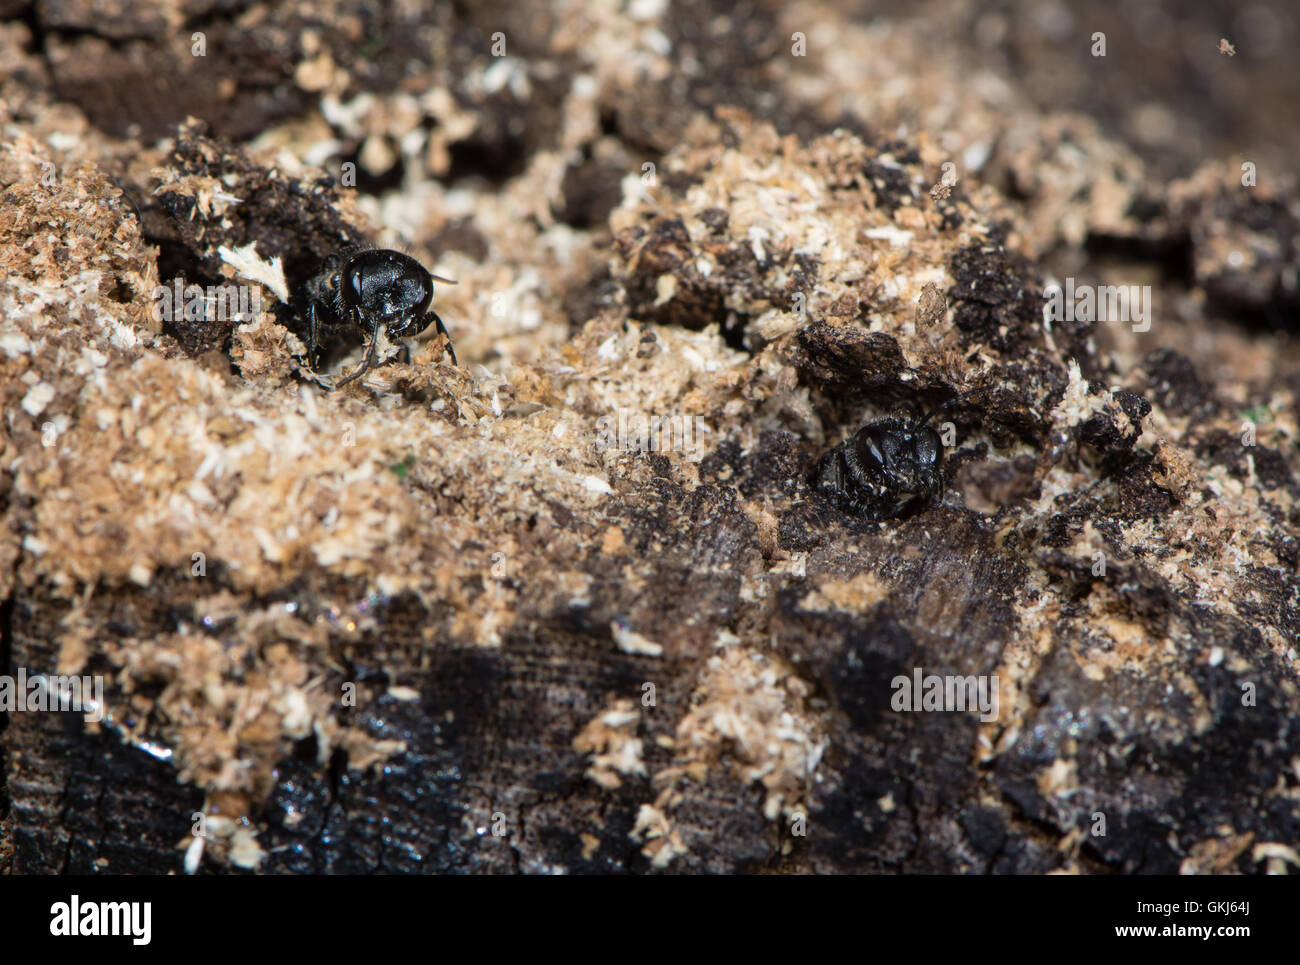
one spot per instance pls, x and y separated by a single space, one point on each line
870 449
421 294
926 446
356 282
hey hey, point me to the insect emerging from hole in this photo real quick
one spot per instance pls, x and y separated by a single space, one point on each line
364 289
888 469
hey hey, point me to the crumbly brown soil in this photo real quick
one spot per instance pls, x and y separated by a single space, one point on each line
435 607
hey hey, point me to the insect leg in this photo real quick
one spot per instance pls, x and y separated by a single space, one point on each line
442 329
313 333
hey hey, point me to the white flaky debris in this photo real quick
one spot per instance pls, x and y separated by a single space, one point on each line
245 852
897 237
194 855
37 398
248 264
629 641
15 343
1077 406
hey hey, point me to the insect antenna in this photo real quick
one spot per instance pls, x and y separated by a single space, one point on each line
943 405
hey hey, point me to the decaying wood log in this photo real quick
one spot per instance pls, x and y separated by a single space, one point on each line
479 619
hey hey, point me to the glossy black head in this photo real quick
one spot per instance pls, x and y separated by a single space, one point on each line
390 287
904 454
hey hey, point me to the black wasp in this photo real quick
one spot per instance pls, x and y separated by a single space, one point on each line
888 469
362 289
